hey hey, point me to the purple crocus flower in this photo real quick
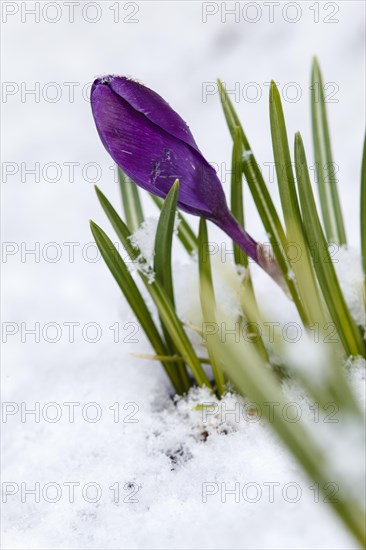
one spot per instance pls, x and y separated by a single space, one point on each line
153 145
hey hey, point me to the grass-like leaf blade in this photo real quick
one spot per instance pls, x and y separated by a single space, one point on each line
163 261
244 368
327 183
247 296
131 201
165 308
328 281
176 332
236 195
164 240
122 276
301 266
207 297
118 225
185 233
262 198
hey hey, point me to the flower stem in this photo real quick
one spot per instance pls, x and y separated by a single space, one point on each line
264 258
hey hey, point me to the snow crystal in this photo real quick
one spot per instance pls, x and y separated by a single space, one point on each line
357 377
144 239
247 154
347 263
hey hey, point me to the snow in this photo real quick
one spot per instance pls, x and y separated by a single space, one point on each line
347 263
177 454
357 378
144 240
309 359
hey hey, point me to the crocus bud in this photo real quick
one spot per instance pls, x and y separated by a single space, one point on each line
154 146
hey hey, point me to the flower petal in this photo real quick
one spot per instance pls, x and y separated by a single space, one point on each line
153 106
152 157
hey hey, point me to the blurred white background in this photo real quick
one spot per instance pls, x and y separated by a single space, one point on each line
178 49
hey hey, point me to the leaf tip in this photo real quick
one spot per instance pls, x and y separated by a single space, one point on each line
273 90
315 71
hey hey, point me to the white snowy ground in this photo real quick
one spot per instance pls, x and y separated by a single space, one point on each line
164 459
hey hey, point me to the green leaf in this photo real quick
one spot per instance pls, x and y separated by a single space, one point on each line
249 374
327 183
185 232
253 175
118 225
236 196
166 358
345 325
132 294
131 201
165 308
301 263
262 199
176 332
363 214
247 296
207 297
164 240
163 261
281 152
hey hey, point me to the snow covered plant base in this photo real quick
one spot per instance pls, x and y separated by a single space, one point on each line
251 394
